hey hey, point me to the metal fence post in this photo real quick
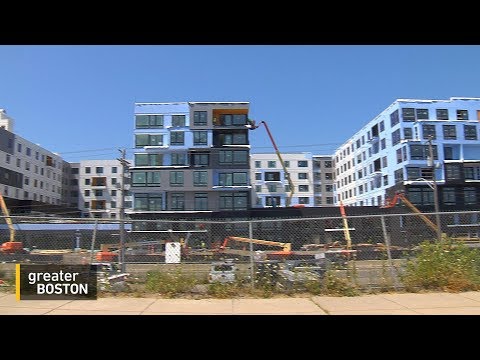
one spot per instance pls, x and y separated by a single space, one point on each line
386 238
252 270
94 236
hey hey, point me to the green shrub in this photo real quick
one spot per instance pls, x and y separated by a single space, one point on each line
447 266
337 286
169 284
224 291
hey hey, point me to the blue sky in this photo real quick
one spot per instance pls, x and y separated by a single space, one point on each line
79 100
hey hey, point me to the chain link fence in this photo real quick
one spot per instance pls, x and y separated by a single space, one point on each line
369 252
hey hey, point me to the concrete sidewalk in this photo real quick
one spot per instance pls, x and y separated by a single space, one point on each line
467 303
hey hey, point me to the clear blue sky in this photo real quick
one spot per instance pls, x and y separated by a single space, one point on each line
77 100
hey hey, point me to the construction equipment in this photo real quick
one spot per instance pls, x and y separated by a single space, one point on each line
11 246
105 254
286 247
253 126
401 196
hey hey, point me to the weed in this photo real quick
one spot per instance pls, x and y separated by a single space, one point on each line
169 284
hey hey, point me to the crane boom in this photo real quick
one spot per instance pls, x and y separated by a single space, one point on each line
288 200
285 246
8 219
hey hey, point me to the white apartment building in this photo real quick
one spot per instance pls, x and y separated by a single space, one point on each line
270 187
99 187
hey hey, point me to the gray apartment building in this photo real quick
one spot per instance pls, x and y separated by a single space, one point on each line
190 157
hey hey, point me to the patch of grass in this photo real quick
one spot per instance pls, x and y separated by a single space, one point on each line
169 284
337 286
224 291
445 266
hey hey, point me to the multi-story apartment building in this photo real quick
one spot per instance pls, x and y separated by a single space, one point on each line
323 180
191 156
271 188
28 171
96 186
392 153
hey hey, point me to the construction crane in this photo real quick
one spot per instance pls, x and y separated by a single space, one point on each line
286 247
400 196
253 126
10 246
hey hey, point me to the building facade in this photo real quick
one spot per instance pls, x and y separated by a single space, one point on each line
28 172
393 153
191 156
323 180
270 186
96 187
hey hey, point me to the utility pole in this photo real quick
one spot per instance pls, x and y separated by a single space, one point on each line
124 163
431 163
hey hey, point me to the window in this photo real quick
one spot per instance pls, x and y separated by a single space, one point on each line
396 137
234 201
286 163
422 114
302 163
398 175
146 178
148 202
303 188
448 152
19 147
404 150
232 179
178 159
7 158
178 201
148 121
454 172
236 138
462 114
272 188
177 138
382 144
148 140
235 119
258 176
449 197
200 137
413 173
233 157
303 200
113 204
201 201
114 181
146 160
258 164
385 180
114 193
200 178
176 178
73 182
74 171
29 151
200 159
87 181
328 176
449 132
442 114
327 164
273 201
358 144
472 172
258 188
86 204
19 162
36 169
37 155
429 131
99 170
199 118
114 169
394 118
178 120
421 152
302 176
98 192
87 170
384 161
407 133
87 192
470 132
408 114
272 176
271 164
470 196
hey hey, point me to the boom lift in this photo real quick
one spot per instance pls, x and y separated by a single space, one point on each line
400 196
10 246
286 247
252 125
